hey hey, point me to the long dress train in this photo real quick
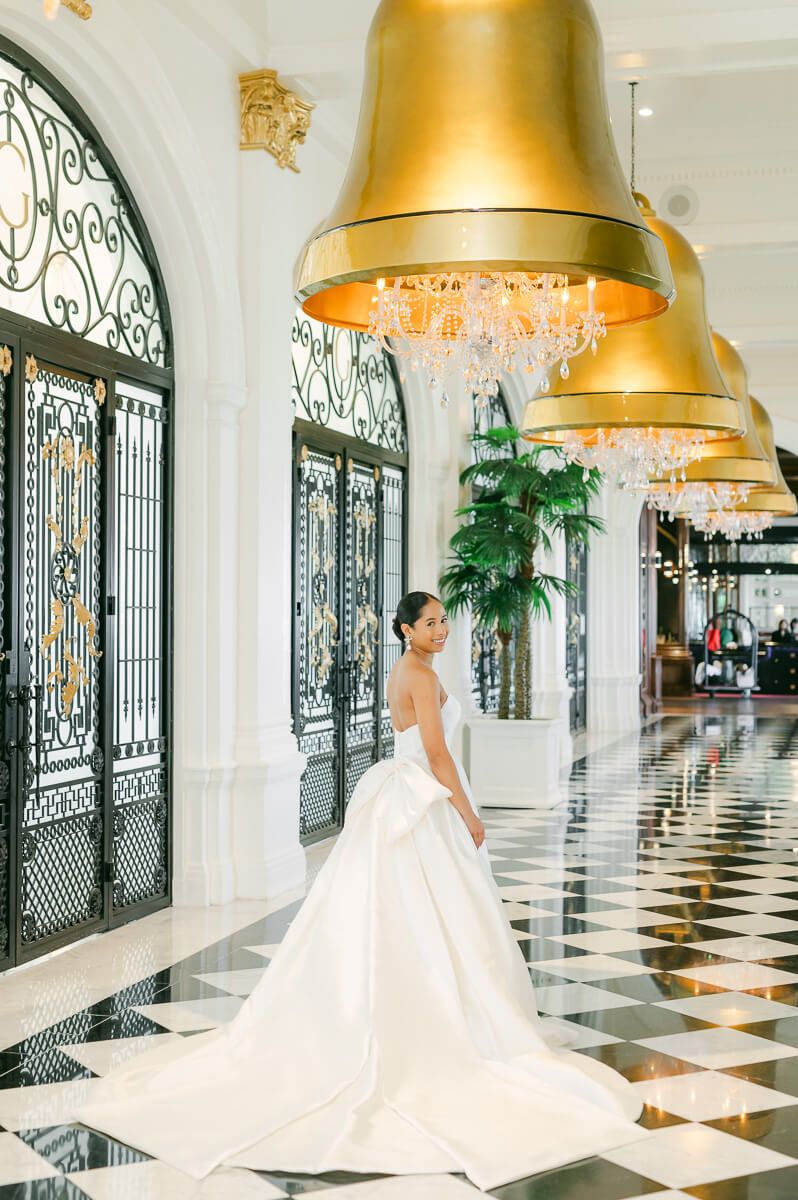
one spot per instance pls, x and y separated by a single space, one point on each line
395 1030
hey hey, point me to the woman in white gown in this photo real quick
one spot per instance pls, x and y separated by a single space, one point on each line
395 1030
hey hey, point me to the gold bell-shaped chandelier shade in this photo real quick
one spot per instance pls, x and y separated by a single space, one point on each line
484 214
653 397
728 469
756 511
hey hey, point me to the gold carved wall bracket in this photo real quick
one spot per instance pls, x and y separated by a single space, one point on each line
273 118
81 8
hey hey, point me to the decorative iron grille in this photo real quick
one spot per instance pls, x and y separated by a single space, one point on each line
343 381
576 634
6 364
349 568
140 709
486 649
62 812
85 532
74 252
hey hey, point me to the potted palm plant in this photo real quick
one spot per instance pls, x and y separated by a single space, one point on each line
520 503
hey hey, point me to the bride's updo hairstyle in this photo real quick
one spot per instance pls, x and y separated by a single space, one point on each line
409 609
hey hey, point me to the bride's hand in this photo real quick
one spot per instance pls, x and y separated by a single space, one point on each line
476 829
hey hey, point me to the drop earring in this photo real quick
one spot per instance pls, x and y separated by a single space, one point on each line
408 643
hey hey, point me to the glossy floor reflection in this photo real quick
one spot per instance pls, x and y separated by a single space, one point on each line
657 910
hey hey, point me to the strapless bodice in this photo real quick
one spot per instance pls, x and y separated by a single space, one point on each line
408 742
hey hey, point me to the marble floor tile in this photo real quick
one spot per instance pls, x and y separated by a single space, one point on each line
19 1163
156 1181
719 1047
636 898
691 1154
237 983
45 1104
102 1057
591 967
190 1015
515 911
708 1095
739 976
755 923
769 905
563 999
608 941
748 949
729 1008
622 918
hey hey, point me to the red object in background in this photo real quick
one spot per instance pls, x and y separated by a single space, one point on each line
713 640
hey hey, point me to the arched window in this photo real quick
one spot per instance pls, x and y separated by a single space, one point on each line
75 253
86 428
350 560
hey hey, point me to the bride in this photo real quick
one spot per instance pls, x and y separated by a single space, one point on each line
395 1030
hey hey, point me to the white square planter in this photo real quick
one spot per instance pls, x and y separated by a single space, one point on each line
514 764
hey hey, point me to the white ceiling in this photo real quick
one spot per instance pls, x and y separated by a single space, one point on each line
722 79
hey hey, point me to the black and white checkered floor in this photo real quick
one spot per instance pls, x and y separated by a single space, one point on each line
658 911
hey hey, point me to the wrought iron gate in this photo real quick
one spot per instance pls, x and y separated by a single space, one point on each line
486 649
576 634
349 563
85 537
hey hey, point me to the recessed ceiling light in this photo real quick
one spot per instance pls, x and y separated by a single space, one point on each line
645 112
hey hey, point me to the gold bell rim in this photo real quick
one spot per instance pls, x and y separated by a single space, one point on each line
721 470
336 273
549 419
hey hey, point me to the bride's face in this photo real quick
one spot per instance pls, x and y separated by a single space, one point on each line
431 629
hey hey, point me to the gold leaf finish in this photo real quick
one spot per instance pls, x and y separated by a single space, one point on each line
273 118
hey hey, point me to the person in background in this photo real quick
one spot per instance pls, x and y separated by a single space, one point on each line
794 629
782 635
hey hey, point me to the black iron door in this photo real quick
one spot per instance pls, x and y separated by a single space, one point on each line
349 574
85 701
576 635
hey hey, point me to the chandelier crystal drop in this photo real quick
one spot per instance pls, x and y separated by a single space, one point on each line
631 457
479 324
734 525
695 500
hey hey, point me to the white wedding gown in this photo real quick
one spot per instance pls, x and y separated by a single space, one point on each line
394 1031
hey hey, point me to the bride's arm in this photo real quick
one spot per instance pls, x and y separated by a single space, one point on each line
425 692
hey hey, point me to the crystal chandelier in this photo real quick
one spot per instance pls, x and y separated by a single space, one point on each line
734 525
631 457
478 324
696 500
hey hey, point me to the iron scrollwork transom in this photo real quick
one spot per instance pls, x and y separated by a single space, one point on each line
72 252
343 381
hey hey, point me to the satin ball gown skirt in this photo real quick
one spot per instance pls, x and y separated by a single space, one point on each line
394 1031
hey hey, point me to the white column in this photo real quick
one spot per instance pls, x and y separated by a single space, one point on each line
206 510
268 855
613 614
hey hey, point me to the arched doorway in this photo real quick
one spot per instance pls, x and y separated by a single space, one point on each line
486 649
86 451
350 560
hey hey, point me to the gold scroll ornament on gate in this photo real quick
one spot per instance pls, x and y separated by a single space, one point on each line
69 673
